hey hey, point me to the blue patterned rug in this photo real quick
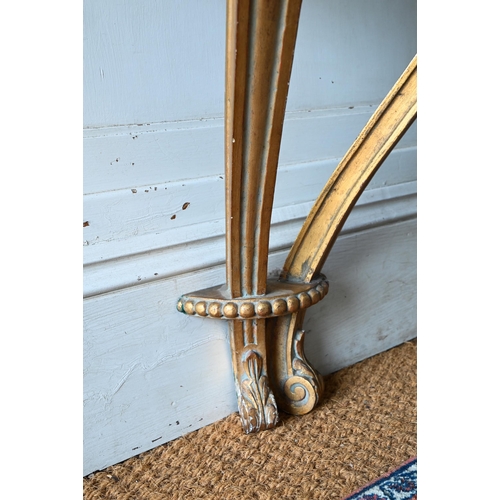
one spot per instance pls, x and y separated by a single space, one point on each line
400 484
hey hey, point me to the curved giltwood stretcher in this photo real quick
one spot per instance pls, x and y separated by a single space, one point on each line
265 317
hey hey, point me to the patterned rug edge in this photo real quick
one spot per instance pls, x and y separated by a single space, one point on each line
399 484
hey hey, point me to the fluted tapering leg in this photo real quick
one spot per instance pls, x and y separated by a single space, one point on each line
260 43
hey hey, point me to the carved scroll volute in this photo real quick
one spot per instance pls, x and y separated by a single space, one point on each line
259 52
297 386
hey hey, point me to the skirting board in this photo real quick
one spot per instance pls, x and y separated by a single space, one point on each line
152 374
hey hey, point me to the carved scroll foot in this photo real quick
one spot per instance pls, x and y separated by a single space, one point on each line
267 345
298 387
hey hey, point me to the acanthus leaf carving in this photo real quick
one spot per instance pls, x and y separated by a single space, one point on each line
256 402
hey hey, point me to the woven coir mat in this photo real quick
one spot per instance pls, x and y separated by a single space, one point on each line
364 427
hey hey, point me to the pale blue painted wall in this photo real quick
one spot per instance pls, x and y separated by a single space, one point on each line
154 61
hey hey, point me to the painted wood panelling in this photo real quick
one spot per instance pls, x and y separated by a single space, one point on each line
134 213
136 156
200 245
151 61
128 230
154 206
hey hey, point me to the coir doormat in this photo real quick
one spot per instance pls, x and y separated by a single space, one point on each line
401 484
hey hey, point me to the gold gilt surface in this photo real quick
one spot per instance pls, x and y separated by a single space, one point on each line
266 317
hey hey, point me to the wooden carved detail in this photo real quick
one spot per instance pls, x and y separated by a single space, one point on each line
282 298
304 388
256 402
260 42
296 384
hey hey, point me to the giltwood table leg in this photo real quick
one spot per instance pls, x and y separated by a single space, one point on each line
265 316
296 385
252 333
260 42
